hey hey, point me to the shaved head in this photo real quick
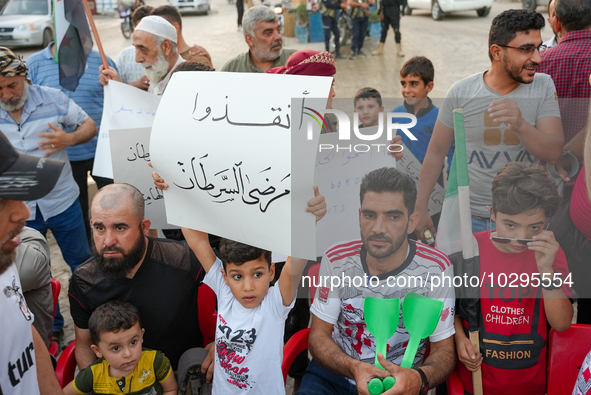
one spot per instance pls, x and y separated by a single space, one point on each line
120 195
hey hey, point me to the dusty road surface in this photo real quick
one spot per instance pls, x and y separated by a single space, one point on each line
457 46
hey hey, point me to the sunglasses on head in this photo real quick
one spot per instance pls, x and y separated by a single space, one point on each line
507 240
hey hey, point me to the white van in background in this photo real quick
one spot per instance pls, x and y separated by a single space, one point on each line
441 7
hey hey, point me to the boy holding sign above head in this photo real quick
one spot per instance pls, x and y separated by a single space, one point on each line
526 284
251 313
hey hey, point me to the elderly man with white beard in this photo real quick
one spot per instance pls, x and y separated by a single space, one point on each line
154 39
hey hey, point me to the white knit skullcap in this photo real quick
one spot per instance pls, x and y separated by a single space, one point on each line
157 26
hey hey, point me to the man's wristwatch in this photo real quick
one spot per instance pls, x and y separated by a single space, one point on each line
550 287
425 383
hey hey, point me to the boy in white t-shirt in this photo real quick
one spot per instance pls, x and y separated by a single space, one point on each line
251 314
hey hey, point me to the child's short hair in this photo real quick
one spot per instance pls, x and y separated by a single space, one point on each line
141 12
518 188
192 66
112 316
237 253
368 93
419 66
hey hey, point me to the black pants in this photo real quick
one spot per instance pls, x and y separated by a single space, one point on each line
577 249
240 8
391 17
329 25
80 171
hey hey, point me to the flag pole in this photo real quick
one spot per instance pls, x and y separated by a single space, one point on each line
95 34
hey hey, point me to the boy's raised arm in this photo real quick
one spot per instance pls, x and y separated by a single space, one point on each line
199 243
294 267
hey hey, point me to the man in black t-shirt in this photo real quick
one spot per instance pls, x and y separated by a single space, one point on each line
158 276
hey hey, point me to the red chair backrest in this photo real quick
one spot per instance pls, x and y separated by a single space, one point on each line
294 346
55 291
566 352
66 365
313 275
207 313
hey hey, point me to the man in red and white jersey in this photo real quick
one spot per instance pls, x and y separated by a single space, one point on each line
383 264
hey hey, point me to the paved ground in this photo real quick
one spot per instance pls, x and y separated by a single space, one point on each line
457 46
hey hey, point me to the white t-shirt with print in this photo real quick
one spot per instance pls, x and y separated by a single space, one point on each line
343 305
18 370
249 342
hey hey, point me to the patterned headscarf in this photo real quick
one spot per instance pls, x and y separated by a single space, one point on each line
12 65
308 62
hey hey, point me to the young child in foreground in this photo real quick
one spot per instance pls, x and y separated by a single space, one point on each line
123 366
251 313
513 316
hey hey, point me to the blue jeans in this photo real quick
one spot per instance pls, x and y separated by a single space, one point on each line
319 381
480 224
69 232
359 33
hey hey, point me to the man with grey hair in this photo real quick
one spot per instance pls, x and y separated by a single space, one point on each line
155 42
35 118
158 276
262 33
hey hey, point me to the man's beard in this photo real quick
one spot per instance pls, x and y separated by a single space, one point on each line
268 55
157 71
515 71
116 269
17 102
383 253
6 260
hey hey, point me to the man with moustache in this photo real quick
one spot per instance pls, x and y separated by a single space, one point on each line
342 347
155 42
25 365
35 118
158 276
262 33
511 114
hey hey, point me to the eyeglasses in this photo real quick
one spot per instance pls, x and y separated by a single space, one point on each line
507 240
526 49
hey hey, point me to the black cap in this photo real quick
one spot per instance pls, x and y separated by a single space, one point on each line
25 177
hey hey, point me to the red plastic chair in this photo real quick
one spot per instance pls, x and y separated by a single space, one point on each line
66 365
55 291
454 384
566 352
207 313
299 342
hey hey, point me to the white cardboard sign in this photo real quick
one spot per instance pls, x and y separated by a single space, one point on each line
338 176
411 165
130 152
124 107
223 143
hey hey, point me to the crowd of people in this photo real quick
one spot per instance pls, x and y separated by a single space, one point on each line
134 297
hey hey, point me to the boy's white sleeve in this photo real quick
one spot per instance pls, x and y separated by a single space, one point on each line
274 300
327 302
214 278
